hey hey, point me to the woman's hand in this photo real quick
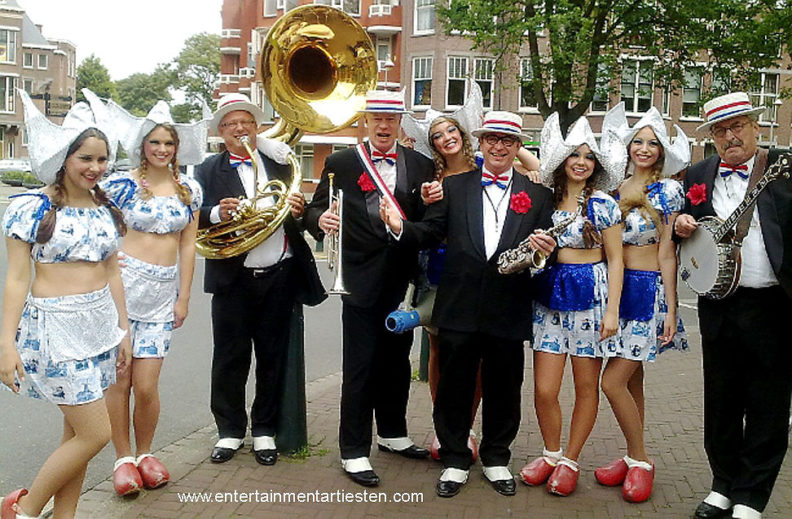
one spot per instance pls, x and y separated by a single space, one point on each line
122 259
11 364
180 310
391 217
609 326
431 192
124 359
669 328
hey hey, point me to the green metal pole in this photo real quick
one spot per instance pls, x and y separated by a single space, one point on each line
292 430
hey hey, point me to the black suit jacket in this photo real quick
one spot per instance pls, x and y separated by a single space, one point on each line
472 295
373 262
775 214
219 180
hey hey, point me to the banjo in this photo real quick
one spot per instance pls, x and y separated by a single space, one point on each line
709 260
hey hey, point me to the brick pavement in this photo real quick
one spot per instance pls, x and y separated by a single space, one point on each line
673 436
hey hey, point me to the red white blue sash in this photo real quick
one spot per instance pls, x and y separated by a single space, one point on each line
382 188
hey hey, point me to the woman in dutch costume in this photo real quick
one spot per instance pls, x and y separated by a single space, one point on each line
64 338
576 311
446 140
650 202
160 209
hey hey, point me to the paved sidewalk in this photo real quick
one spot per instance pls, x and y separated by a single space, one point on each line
674 438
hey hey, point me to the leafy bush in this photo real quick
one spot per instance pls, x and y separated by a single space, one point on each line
29 180
12 178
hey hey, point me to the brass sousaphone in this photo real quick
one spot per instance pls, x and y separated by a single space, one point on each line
317 64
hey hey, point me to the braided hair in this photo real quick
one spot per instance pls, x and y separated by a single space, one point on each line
182 191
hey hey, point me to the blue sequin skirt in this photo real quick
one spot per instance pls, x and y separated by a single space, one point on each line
641 319
575 332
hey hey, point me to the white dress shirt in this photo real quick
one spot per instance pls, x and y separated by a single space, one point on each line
275 248
727 193
496 204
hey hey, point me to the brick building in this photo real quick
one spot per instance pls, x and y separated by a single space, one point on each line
44 67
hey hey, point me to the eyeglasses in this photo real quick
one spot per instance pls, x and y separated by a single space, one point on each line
233 124
735 128
492 139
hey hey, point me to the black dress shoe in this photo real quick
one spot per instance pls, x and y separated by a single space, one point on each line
506 487
266 456
367 478
708 511
222 454
448 488
413 451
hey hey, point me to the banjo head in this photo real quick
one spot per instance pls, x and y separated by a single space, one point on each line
698 259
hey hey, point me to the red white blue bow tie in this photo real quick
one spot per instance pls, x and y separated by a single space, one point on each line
236 160
378 156
487 179
725 170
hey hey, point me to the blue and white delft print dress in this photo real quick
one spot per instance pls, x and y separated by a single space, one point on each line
643 303
68 344
571 299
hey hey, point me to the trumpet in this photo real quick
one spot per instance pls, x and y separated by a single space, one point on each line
524 256
335 241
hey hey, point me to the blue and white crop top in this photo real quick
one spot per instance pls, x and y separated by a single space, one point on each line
81 233
158 214
602 210
667 197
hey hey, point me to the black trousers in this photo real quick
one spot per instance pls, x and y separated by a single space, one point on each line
376 377
502 362
747 387
251 318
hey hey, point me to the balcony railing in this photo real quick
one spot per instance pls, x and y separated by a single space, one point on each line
380 10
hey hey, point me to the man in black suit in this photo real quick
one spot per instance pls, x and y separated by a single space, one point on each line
483 316
376 364
253 293
745 337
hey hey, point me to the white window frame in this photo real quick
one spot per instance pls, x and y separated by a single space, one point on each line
526 72
484 72
422 65
701 68
461 71
635 108
269 8
763 98
426 8
46 62
25 56
8 104
10 44
305 152
25 81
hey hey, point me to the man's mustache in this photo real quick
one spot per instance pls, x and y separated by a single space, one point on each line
732 143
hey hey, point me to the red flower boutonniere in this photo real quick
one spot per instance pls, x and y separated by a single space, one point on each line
520 202
365 183
697 194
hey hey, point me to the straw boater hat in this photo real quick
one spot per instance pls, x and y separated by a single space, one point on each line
555 149
48 143
385 101
505 123
469 116
133 129
728 107
677 155
233 102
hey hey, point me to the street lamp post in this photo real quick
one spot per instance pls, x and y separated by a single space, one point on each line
776 104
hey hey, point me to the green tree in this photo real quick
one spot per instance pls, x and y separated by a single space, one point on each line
139 92
574 46
197 68
93 75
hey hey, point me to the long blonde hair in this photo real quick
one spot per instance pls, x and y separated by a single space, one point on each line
640 198
184 193
467 148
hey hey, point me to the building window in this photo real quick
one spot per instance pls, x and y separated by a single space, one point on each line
11 150
7 46
266 107
27 85
455 85
766 96
483 74
339 147
422 81
666 101
636 85
424 16
27 59
348 6
270 8
42 61
691 93
383 49
7 87
305 154
601 100
721 82
24 137
527 97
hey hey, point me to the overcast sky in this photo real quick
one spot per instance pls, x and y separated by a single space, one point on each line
127 36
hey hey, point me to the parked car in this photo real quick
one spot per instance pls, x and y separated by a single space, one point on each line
15 165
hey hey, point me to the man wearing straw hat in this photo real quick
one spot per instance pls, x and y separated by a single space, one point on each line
376 363
745 341
483 316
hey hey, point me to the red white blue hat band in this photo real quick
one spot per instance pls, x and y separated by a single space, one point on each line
500 122
728 107
385 101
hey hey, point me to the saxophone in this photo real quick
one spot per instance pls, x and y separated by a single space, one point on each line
524 256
